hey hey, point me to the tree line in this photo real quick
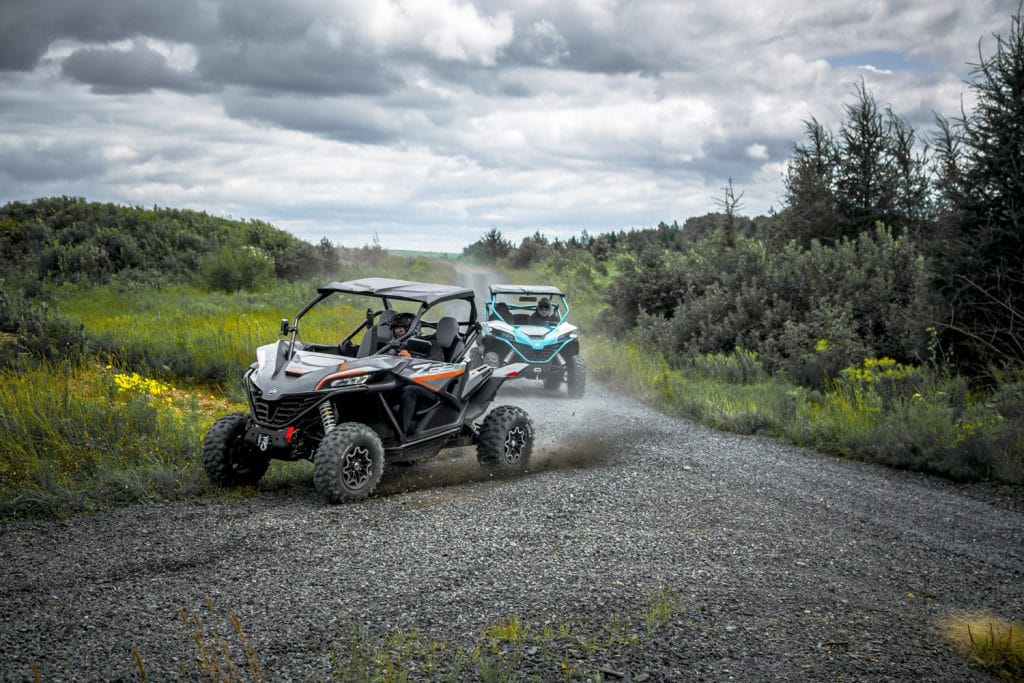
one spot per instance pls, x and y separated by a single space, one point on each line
889 242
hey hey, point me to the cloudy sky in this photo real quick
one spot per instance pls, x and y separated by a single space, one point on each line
429 122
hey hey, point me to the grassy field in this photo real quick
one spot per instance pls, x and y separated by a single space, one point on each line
124 422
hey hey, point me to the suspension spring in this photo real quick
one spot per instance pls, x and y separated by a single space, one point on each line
327 416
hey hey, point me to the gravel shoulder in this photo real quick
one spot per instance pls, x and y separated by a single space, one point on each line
787 564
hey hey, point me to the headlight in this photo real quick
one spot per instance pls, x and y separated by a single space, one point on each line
354 381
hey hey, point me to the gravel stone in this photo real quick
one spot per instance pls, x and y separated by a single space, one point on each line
789 565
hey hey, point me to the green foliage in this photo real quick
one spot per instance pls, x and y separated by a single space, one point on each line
531 250
489 249
182 332
871 172
867 296
231 268
878 410
67 239
980 249
31 331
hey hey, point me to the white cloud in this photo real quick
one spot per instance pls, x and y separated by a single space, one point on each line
757 151
445 29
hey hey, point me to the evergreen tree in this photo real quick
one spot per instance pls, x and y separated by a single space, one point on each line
811 211
981 263
490 248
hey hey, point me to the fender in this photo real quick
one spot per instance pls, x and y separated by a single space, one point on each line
483 397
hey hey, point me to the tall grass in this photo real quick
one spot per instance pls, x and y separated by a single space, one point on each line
181 331
881 411
75 438
185 332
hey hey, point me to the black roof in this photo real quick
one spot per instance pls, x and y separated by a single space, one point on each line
526 289
405 290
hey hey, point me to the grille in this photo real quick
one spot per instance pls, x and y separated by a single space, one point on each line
285 411
531 355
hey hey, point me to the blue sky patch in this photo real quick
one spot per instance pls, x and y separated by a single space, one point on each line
883 60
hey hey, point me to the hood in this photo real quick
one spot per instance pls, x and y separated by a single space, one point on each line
275 375
535 336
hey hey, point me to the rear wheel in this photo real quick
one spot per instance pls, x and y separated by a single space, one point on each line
349 463
491 358
553 379
577 377
506 440
227 458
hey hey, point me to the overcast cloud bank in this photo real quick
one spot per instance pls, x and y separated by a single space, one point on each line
428 123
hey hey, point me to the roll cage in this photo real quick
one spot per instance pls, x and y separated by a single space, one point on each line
512 304
388 290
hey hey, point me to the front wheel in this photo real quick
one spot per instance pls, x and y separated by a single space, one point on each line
506 440
228 460
349 463
576 379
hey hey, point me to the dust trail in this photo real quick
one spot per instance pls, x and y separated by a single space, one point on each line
578 452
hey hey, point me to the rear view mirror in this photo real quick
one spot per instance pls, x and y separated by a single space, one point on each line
284 326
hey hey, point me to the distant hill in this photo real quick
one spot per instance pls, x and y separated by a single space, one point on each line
446 255
71 239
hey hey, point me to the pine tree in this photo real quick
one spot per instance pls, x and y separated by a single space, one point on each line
981 264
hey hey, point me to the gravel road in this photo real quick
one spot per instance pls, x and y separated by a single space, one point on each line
651 548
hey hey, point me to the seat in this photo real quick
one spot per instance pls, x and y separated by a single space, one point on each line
376 336
447 346
502 310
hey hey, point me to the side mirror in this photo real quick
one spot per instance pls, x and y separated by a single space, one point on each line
284 326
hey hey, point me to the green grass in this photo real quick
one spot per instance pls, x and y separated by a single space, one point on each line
184 332
902 416
73 439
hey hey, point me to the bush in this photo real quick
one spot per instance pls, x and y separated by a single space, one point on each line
35 330
231 268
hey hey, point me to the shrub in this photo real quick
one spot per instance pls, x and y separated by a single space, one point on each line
231 268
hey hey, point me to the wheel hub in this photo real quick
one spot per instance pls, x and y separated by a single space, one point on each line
515 442
355 466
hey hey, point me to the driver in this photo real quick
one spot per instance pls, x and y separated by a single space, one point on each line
400 325
542 315
412 395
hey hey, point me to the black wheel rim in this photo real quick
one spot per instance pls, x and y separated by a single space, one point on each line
356 466
515 444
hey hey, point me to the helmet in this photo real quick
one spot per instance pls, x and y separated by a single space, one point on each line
403 320
544 307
